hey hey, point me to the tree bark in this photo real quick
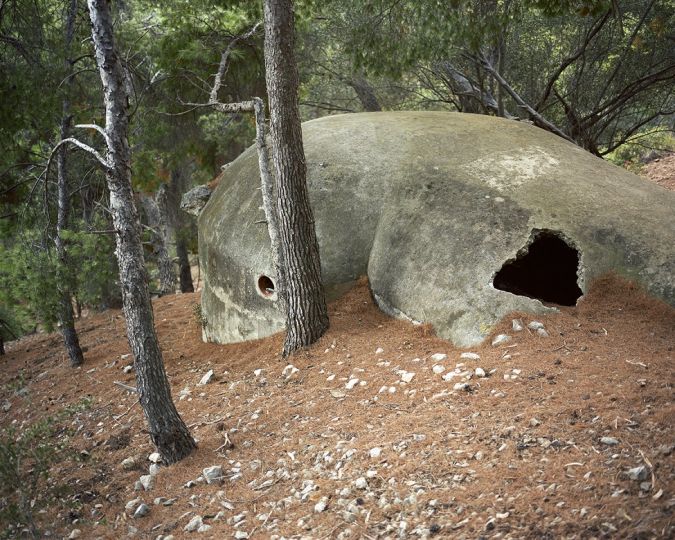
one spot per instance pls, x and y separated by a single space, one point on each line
167 430
65 315
365 93
303 294
184 273
156 211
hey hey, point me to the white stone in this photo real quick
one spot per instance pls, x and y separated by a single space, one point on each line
147 481
460 386
501 338
438 369
257 372
479 372
469 356
535 325
204 528
133 503
194 524
542 332
241 535
207 378
361 483
375 452
609 441
379 350
321 505
128 463
289 371
438 357
213 474
154 469
351 383
142 510
407 376
75 533
517 325
449 376
155 457
128 369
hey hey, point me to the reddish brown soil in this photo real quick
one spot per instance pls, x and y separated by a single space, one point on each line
661 171
605 370
516 458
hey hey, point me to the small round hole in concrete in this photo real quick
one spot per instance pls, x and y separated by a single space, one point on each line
266 286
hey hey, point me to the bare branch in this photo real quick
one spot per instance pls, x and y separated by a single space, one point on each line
95 127
521 103
222 67
71 140
572 58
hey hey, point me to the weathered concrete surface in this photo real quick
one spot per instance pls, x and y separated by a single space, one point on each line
430 205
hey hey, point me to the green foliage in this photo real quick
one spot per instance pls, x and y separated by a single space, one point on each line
26 458
649 143
31 276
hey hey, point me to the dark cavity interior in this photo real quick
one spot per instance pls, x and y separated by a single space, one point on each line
266 286
547 271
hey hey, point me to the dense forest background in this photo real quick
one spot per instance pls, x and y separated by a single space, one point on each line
598 73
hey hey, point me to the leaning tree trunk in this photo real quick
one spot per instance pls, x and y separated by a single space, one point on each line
167 430
366 93
66 319
304 298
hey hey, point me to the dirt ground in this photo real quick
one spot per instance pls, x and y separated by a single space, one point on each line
661 171
566 436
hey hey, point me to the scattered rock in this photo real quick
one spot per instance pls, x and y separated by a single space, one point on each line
351 383
479 372
321 505
128 463
155 457
75 533
438 357
542 332
194 524
361 483
438 369
609 441
379 350
147 481
132 504
128 369
469 356
206 379
289 372
241 535
142 511
375 452
639 474
407 376
154 469
501 338
517 325
204 528
194 200
213 474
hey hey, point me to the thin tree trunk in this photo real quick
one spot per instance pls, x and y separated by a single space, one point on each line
365 93
185 272
167 430
66 318
156 213
304 297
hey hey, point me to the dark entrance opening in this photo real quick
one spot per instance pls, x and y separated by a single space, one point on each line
266 286
545 270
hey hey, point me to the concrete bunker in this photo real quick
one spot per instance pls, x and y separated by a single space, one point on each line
546 269
433 229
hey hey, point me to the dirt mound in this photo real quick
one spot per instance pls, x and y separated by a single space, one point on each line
661 171
518 453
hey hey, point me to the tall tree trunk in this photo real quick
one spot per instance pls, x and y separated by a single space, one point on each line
184 272
156 212
180 224
303 294
167 430
66 318
366 93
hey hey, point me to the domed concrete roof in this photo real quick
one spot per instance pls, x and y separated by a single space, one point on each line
434 206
